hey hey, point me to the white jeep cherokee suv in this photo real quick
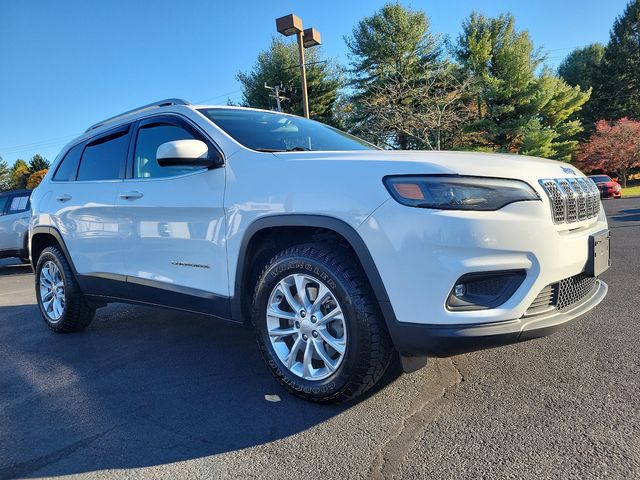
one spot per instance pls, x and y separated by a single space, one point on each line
338 253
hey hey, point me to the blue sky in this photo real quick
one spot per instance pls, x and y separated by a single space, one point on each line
66 64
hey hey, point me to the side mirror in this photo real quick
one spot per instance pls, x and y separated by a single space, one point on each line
186 153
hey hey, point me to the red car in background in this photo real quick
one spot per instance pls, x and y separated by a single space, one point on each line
608 188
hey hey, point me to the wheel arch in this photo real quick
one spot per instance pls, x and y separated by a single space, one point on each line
44 236
281 231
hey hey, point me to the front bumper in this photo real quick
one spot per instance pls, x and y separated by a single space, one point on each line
420 254
438 340
608 192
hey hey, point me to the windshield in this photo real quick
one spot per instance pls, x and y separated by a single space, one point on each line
600 178
276 132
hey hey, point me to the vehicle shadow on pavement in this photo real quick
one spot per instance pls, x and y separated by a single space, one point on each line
16 269
139 387
630 215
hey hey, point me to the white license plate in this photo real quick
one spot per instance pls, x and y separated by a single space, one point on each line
600 255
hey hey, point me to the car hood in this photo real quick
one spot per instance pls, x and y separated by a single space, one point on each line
607 184
383 162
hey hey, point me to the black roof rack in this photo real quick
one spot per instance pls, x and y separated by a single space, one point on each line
161 103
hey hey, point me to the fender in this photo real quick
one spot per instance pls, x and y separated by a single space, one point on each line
318 221
53 232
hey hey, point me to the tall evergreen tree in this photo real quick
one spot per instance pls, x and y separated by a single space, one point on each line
5 176
517 109
581 65
37 163
394 46
581 68
617 89
279 65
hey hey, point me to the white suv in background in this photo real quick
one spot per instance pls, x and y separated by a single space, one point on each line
338 253
15 212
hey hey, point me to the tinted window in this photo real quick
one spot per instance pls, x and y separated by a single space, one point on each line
69 165
149 139
3 204
601 178
103 159
272 131
19 204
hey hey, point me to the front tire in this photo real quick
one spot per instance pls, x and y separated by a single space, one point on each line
319 328
62 305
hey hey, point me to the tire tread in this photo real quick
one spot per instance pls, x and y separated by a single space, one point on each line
373 334
77 315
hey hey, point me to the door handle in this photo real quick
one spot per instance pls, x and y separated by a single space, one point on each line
131 195
63 198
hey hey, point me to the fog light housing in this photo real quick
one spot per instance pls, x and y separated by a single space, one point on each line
484 290
460 290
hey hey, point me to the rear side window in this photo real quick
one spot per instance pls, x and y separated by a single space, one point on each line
19 204
3 204
66 172
103 158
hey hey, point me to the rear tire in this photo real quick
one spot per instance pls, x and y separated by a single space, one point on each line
363 348
62 305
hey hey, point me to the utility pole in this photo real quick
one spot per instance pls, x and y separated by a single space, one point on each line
303 74
276 94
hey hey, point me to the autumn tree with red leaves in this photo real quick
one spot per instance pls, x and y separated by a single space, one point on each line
613 147
35 178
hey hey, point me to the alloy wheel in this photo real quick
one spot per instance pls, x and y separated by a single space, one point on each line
52 294
306 327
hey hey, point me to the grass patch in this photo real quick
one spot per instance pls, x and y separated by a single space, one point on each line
633 191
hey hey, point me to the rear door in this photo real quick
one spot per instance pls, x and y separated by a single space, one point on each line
83 203
172 220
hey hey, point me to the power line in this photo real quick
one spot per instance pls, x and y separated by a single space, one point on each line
39 144
217 96
55 141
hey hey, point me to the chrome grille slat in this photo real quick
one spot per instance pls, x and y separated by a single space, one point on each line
582 198
590 201
572 199
571 202
557 198
596 197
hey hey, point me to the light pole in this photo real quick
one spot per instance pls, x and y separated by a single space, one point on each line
292 25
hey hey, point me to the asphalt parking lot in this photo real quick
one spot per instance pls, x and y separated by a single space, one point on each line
148 393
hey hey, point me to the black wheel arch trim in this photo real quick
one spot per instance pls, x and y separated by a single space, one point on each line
313 221
55 233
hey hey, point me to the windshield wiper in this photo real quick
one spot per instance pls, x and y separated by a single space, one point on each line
276 150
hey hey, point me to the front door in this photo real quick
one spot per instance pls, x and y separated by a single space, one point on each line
172 222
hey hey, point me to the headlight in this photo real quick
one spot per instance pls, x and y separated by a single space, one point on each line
454 192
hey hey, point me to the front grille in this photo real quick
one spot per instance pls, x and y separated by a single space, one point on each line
562 295
572 199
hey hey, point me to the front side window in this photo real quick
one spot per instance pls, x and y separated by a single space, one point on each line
276 132
19 204
103 158
68 168
150 137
